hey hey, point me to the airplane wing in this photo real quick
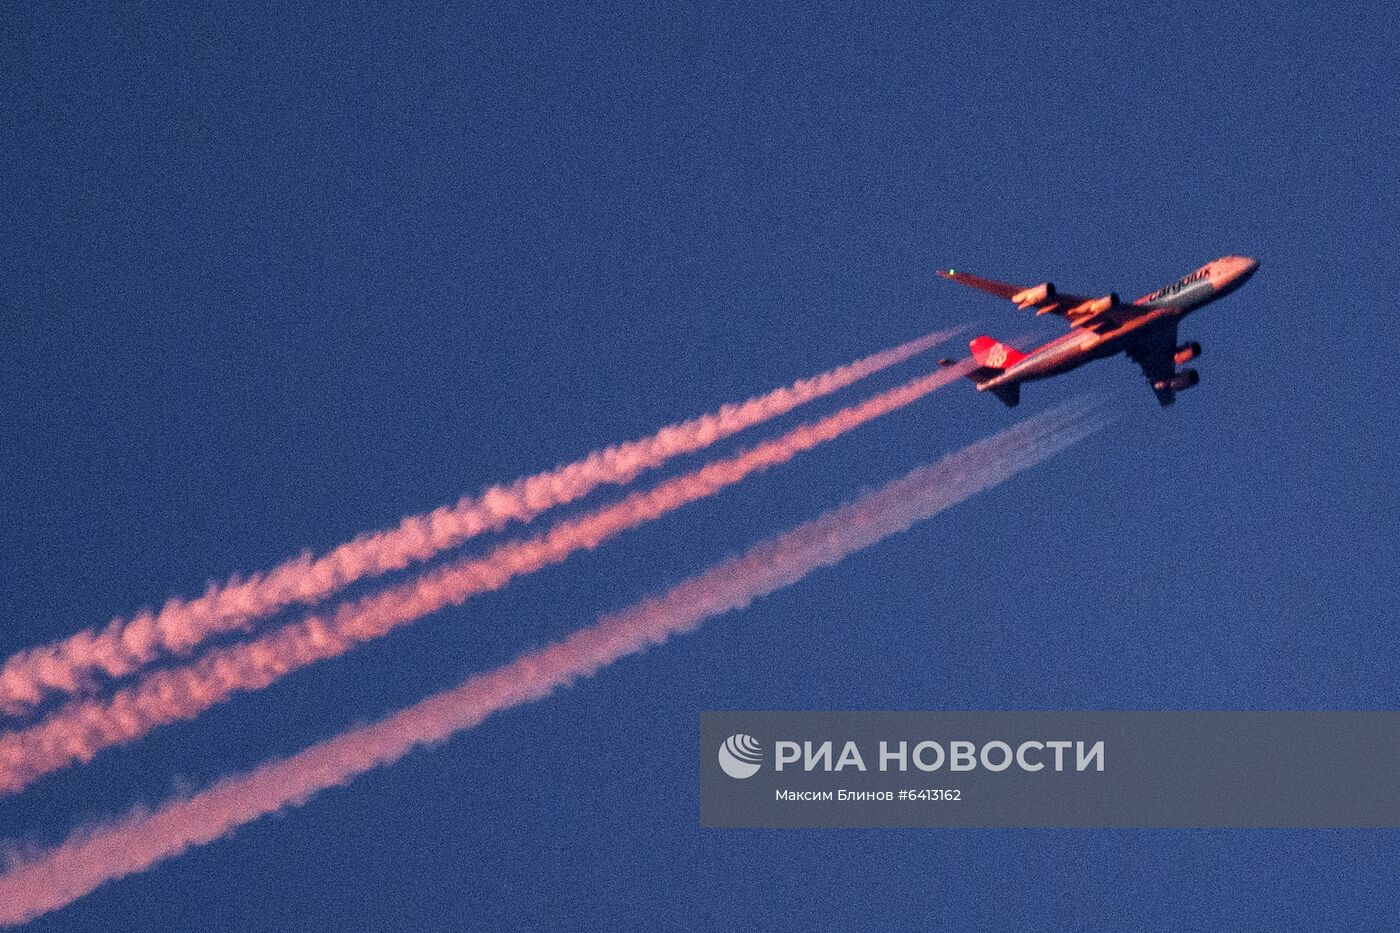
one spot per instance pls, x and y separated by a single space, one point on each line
1096 314
1155 351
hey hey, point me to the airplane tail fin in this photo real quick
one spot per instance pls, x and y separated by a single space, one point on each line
993 354
993 358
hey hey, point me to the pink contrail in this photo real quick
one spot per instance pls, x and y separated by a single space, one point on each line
125 646
78 731
50 880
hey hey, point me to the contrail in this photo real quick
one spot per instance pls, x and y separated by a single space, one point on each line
125 646
48 881
78 731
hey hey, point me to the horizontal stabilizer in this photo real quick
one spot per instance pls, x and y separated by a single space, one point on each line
1009 394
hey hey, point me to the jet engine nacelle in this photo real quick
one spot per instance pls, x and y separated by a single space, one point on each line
1180 382
1099 305
1035 295
1185 380
1187 352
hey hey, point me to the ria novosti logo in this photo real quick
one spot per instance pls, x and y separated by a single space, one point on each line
740 755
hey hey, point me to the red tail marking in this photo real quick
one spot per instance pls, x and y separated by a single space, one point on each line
988 351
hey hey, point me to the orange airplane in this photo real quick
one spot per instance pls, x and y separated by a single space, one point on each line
1145 330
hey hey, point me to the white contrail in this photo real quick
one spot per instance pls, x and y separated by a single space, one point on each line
82 728
125 646
47 881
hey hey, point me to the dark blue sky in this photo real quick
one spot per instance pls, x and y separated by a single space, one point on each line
271 278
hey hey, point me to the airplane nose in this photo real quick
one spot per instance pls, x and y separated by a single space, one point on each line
1230 272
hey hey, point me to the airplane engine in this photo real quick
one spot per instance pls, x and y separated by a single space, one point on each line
1036 294
1185 380
1187 352
1108 302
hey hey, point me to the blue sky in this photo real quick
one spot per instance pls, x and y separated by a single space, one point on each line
277 276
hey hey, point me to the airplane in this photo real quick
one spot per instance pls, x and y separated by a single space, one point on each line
1145 330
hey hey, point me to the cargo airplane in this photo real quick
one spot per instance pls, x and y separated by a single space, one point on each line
1145 330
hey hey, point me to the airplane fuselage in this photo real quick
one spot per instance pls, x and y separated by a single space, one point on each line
1082 345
